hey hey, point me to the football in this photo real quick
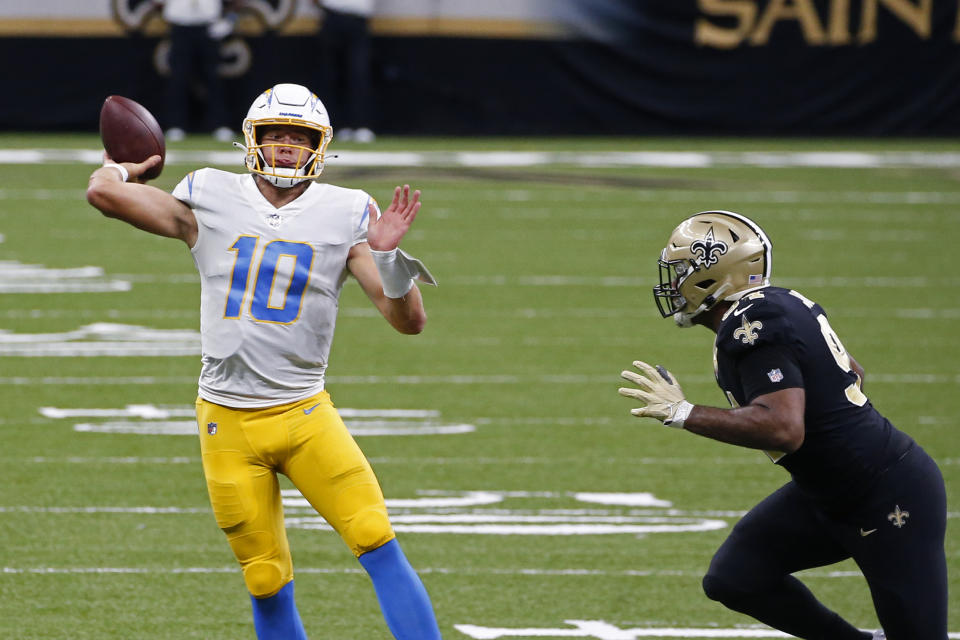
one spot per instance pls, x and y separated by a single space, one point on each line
130 133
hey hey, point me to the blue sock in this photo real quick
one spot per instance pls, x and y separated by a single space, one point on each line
403 598
276 617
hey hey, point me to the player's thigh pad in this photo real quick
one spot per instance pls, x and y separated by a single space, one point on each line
245 497
332 473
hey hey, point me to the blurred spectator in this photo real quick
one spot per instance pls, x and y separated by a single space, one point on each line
196 29
345 64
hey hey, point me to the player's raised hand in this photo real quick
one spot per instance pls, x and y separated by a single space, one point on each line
659 391
385 232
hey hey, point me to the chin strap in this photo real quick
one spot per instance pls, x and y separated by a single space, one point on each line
685 320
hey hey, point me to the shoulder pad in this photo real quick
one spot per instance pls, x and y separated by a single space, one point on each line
757 319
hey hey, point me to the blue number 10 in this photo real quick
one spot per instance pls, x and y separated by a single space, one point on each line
260 307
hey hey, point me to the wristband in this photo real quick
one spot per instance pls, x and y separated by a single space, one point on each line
124 174
679 415
397 280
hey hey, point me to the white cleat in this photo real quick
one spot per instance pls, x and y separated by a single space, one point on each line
879 635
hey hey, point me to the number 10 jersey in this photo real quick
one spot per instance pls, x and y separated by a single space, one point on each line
270 283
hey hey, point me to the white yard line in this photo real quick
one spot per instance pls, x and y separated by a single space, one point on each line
504 379
576 573
523 313
591 159
418 462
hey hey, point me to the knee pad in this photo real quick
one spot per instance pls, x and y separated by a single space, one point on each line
267 566
264 578
368 530
363 516
715 588
725 592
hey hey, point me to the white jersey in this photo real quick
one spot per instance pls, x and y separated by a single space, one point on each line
270 284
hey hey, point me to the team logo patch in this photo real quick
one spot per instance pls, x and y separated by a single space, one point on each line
212 428
775 375
747 333
708 250
898 517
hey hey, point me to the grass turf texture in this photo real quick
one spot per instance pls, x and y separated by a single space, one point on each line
545 277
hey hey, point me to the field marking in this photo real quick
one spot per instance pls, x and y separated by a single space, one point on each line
479 512
102 339
661 195
17 277
605 631
531 572
610 281
573 379
590 159
112 314
407 461
356 428
528 313
148 419
154 420
601 630
113 460
499 524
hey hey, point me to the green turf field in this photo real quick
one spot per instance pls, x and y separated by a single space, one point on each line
522 489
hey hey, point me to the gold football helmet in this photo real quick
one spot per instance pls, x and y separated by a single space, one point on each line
711 256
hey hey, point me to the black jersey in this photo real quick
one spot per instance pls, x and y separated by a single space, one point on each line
776 339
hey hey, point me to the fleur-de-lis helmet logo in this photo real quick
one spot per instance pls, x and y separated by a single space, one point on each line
708 250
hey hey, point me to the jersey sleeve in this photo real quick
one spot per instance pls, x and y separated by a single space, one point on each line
188 190
752 324
362 217
768 368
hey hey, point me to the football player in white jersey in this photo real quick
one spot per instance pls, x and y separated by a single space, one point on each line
273 249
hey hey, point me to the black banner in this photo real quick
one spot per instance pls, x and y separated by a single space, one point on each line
712 67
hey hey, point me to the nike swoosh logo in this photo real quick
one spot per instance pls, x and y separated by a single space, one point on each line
864 534
310 410
739 311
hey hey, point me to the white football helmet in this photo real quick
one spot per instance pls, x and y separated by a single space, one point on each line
711 256
290 105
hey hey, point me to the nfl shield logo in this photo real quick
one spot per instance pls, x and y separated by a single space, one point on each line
775 375
212 428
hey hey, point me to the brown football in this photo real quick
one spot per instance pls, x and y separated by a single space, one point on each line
130 133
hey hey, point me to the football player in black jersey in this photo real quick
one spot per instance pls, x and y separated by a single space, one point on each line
859 487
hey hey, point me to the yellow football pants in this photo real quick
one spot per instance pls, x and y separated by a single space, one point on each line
242 452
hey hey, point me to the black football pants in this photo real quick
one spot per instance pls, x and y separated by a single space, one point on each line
895 535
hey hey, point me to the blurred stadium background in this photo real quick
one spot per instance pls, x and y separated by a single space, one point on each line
557 143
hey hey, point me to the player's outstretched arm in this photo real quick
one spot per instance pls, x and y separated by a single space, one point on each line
119 191
386 272
773 421
406 313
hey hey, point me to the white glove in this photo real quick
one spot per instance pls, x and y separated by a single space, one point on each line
660 393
